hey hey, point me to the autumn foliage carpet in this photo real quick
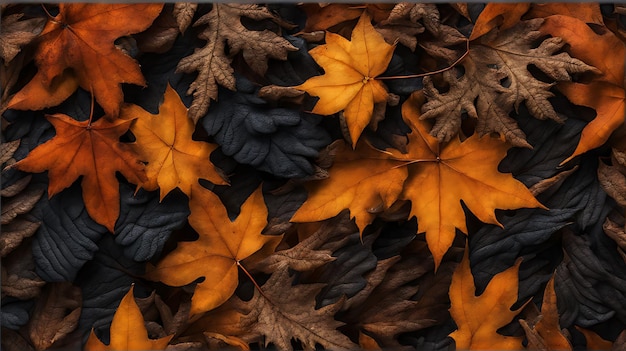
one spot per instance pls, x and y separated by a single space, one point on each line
313 176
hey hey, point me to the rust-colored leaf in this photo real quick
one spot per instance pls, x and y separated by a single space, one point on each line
91 150
605 94
81 38
595 341
165 141
479 317
349 82
218 252
587 12
128 331
502 15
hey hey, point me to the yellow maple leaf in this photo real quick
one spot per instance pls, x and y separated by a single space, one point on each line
165 142
349 82
128 330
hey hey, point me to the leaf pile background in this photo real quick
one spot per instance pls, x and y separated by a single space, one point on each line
313 176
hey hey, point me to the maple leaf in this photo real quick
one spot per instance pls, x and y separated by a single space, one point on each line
213 65
128 331
218 252
165 141
496 80
81 38
479 317
349 82
606 93
92 150
434 177
279 314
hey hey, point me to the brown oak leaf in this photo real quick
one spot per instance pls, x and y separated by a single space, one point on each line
278 314
495 80
224 29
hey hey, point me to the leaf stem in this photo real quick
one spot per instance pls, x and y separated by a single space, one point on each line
432 72
256 285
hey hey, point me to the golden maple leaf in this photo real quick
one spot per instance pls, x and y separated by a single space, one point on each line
128 331
435 177
219 250
92 150
479 317
349 82
165 142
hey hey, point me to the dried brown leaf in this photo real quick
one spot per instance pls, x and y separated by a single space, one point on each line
183 12
13 234
13 341
20 204
613 182
223 26
8 149
56 314
15 33
160 36
495 80
279 314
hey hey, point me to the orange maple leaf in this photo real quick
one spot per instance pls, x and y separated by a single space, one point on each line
128 330
165 142
81 38
91 150
434 177
349 82
479 317
606 93
219 250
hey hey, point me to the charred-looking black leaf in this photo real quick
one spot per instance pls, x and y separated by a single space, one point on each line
298 67
67 236
279 141
590 283
145 224
14 312
104 281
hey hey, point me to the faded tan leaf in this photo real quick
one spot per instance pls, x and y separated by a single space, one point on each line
279 314
56 314
18 274
8 149
20 204
183 13
13 234
224 32
495 80
15 33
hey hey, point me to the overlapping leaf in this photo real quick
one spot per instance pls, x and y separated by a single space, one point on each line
225 30
495 80
479 317
128 331
434 177
92 150
165 141
76 48
218 252
350 70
